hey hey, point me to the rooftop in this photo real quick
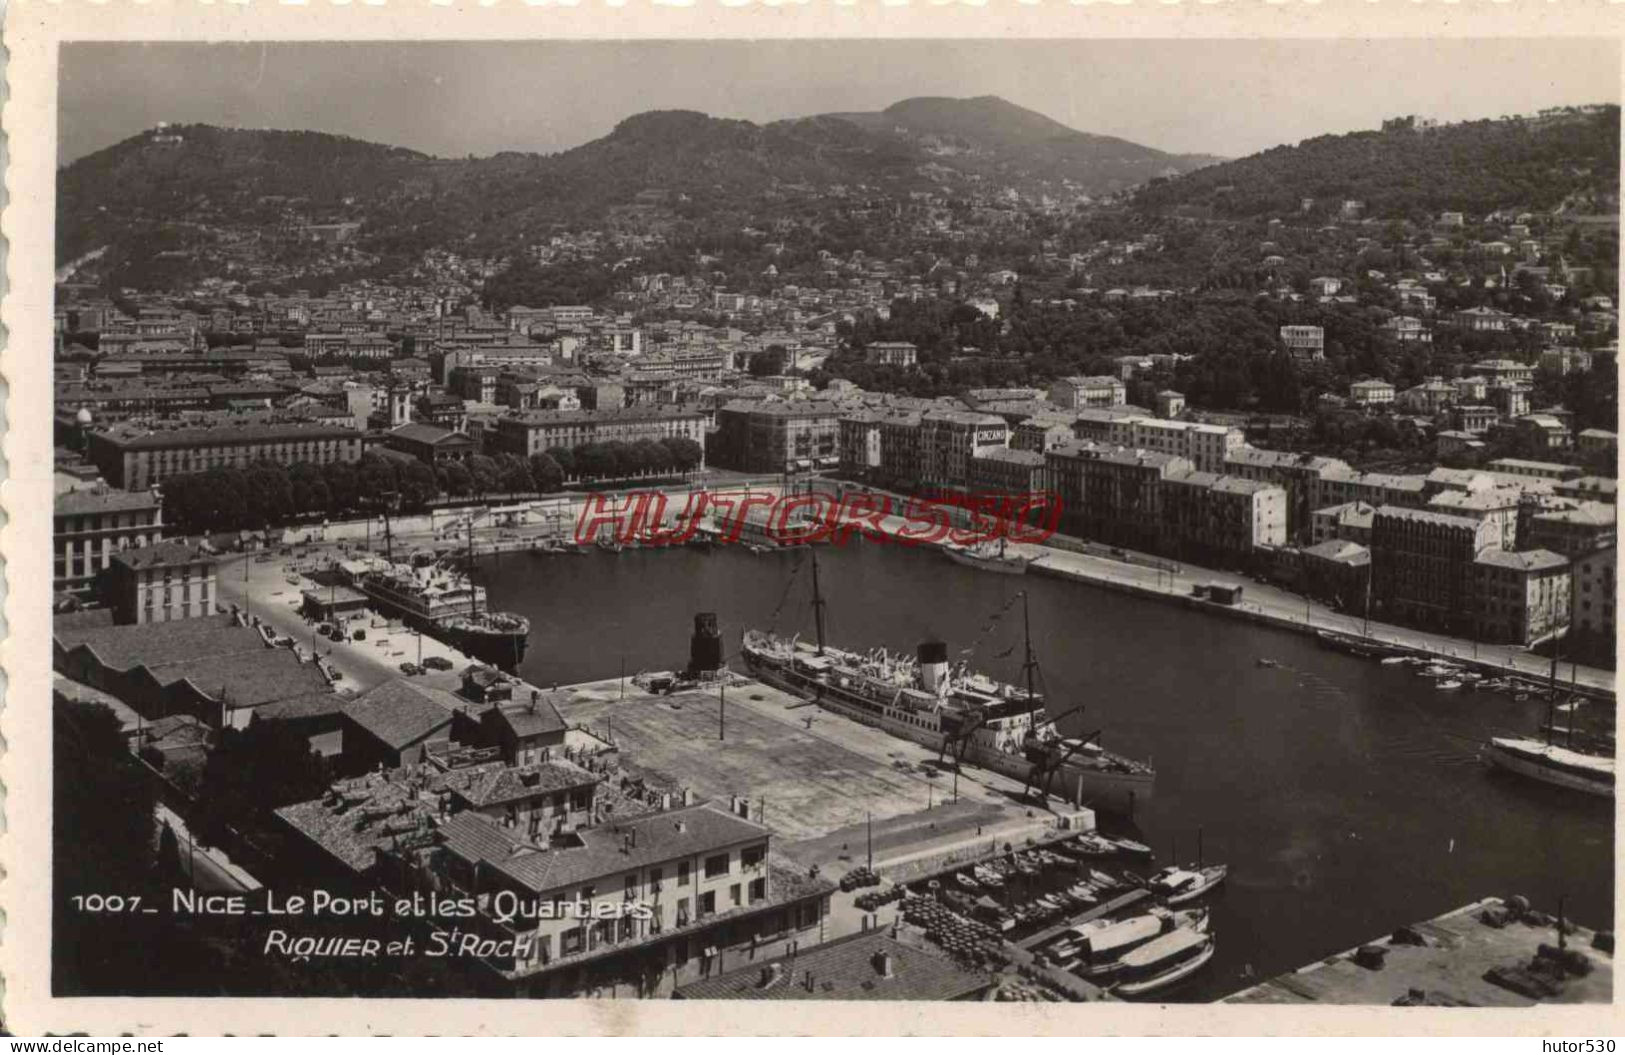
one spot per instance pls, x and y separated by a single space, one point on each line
153 436
103 500
492 785
1523 560
401 711
605 851
162 554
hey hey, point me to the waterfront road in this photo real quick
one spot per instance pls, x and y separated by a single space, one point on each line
1140 574
262 587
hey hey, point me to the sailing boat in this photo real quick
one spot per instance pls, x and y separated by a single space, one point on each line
1549 763
923 698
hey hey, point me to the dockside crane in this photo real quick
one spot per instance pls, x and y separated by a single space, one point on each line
1049 758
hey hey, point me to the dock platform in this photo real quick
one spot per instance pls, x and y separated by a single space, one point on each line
1451 968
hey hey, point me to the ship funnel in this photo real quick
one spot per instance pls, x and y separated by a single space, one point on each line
933 656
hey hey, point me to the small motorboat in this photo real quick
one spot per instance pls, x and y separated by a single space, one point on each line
1395 661
1449 685
1164 961
1091 845
964 879
1267 663
988 877
1176 885
1132 848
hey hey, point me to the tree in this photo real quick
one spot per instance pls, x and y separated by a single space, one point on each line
455 479
566 460
376 478
418 484
343 486
652 456
546 473
594 461
623 459
685 453
256 770
514 474
484 472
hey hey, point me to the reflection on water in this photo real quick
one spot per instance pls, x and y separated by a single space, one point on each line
1347 797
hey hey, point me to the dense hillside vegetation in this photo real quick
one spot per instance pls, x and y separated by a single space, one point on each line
163 193
1570 158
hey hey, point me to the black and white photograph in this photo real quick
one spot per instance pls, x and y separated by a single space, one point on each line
1066 521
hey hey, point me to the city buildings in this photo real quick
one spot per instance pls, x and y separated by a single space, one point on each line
1371 393
160 582
136 457
891 353
777 437
1077 392
1304 342
90 525
1423 566
1520 598
534 432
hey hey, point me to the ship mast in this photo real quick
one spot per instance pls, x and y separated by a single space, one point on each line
389 537
1551 689
473 591
1030 663
817 602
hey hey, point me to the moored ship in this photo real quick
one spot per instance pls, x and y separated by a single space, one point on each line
448 605
1551 764
988 556
985 722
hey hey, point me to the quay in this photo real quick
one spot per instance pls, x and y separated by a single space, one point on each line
1451 960
531 526
1072 559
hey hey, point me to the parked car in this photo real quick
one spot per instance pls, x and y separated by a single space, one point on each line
361 633
437 663
409 668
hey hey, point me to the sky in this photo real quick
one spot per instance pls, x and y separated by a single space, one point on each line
1226 97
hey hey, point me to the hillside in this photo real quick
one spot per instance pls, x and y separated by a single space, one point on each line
160 198
1474 167
988 133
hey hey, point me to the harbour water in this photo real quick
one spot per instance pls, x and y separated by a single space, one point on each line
1347 797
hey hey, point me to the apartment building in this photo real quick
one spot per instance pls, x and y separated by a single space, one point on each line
891 353
699 878
136 457
89 526
1371 393
1423 566
536 431
1593 585
1520 598
1304 342
1112 494
1078 393
949 439
1221 520
777 437
160 583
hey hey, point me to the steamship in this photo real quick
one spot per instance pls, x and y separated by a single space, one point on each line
447 605
923 698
